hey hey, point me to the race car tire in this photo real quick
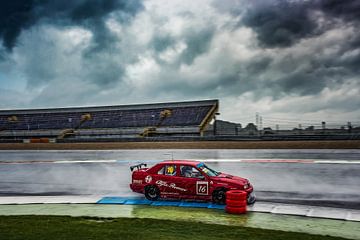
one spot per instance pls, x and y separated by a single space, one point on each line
236 195
236 203
152 192
219 196
251 199
235 210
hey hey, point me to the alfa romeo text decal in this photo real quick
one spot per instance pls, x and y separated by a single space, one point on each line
171 185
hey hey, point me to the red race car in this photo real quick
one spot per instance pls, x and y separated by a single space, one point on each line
186 180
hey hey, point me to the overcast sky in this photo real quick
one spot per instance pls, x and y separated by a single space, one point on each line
287 60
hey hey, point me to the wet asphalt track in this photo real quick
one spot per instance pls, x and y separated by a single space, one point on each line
324 184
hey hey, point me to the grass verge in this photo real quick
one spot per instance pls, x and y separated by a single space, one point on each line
60 227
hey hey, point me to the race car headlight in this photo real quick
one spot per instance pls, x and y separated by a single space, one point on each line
246 186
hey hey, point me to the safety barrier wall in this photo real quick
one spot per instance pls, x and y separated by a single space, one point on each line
198 138
182 137
99 132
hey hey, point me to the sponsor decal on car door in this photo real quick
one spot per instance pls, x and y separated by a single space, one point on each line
202 187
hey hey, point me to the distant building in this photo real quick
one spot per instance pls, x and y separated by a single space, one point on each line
226 128
250 129
310 128
268 130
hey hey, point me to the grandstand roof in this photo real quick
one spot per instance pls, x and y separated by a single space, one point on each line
114 107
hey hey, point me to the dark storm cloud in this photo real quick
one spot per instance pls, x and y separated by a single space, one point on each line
108 52
301 83
18 15
161 42
284 24
347 9
349 12
258 65
197 43
14 16
107 70
281 23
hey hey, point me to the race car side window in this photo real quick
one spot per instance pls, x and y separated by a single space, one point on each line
169 170
161 171
190 172
208 171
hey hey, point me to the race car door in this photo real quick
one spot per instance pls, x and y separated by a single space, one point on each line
193 180
167 181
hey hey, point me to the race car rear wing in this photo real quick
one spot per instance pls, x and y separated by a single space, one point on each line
139 166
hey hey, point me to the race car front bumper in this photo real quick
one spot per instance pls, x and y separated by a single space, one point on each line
251 198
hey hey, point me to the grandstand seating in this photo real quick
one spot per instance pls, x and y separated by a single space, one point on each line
126 116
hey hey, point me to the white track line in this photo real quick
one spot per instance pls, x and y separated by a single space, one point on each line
247 160
87 161
59 162
327 161
339 162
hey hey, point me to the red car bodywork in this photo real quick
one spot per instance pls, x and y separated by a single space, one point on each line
200 187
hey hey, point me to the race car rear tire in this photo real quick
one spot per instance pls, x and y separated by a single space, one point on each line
236 195
219 196
236 203
152 192
235 210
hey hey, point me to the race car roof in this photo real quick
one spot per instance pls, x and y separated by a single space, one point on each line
188 162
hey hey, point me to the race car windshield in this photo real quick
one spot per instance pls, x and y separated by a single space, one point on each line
208 171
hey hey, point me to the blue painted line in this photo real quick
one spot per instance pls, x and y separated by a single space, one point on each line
216 206
143 201
194 204
138 202
112 200
166 203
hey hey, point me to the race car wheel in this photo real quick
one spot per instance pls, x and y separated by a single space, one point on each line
219 196
152 192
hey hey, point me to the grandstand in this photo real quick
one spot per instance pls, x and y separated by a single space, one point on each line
122 121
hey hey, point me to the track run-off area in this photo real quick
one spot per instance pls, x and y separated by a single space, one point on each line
309 191
327 178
